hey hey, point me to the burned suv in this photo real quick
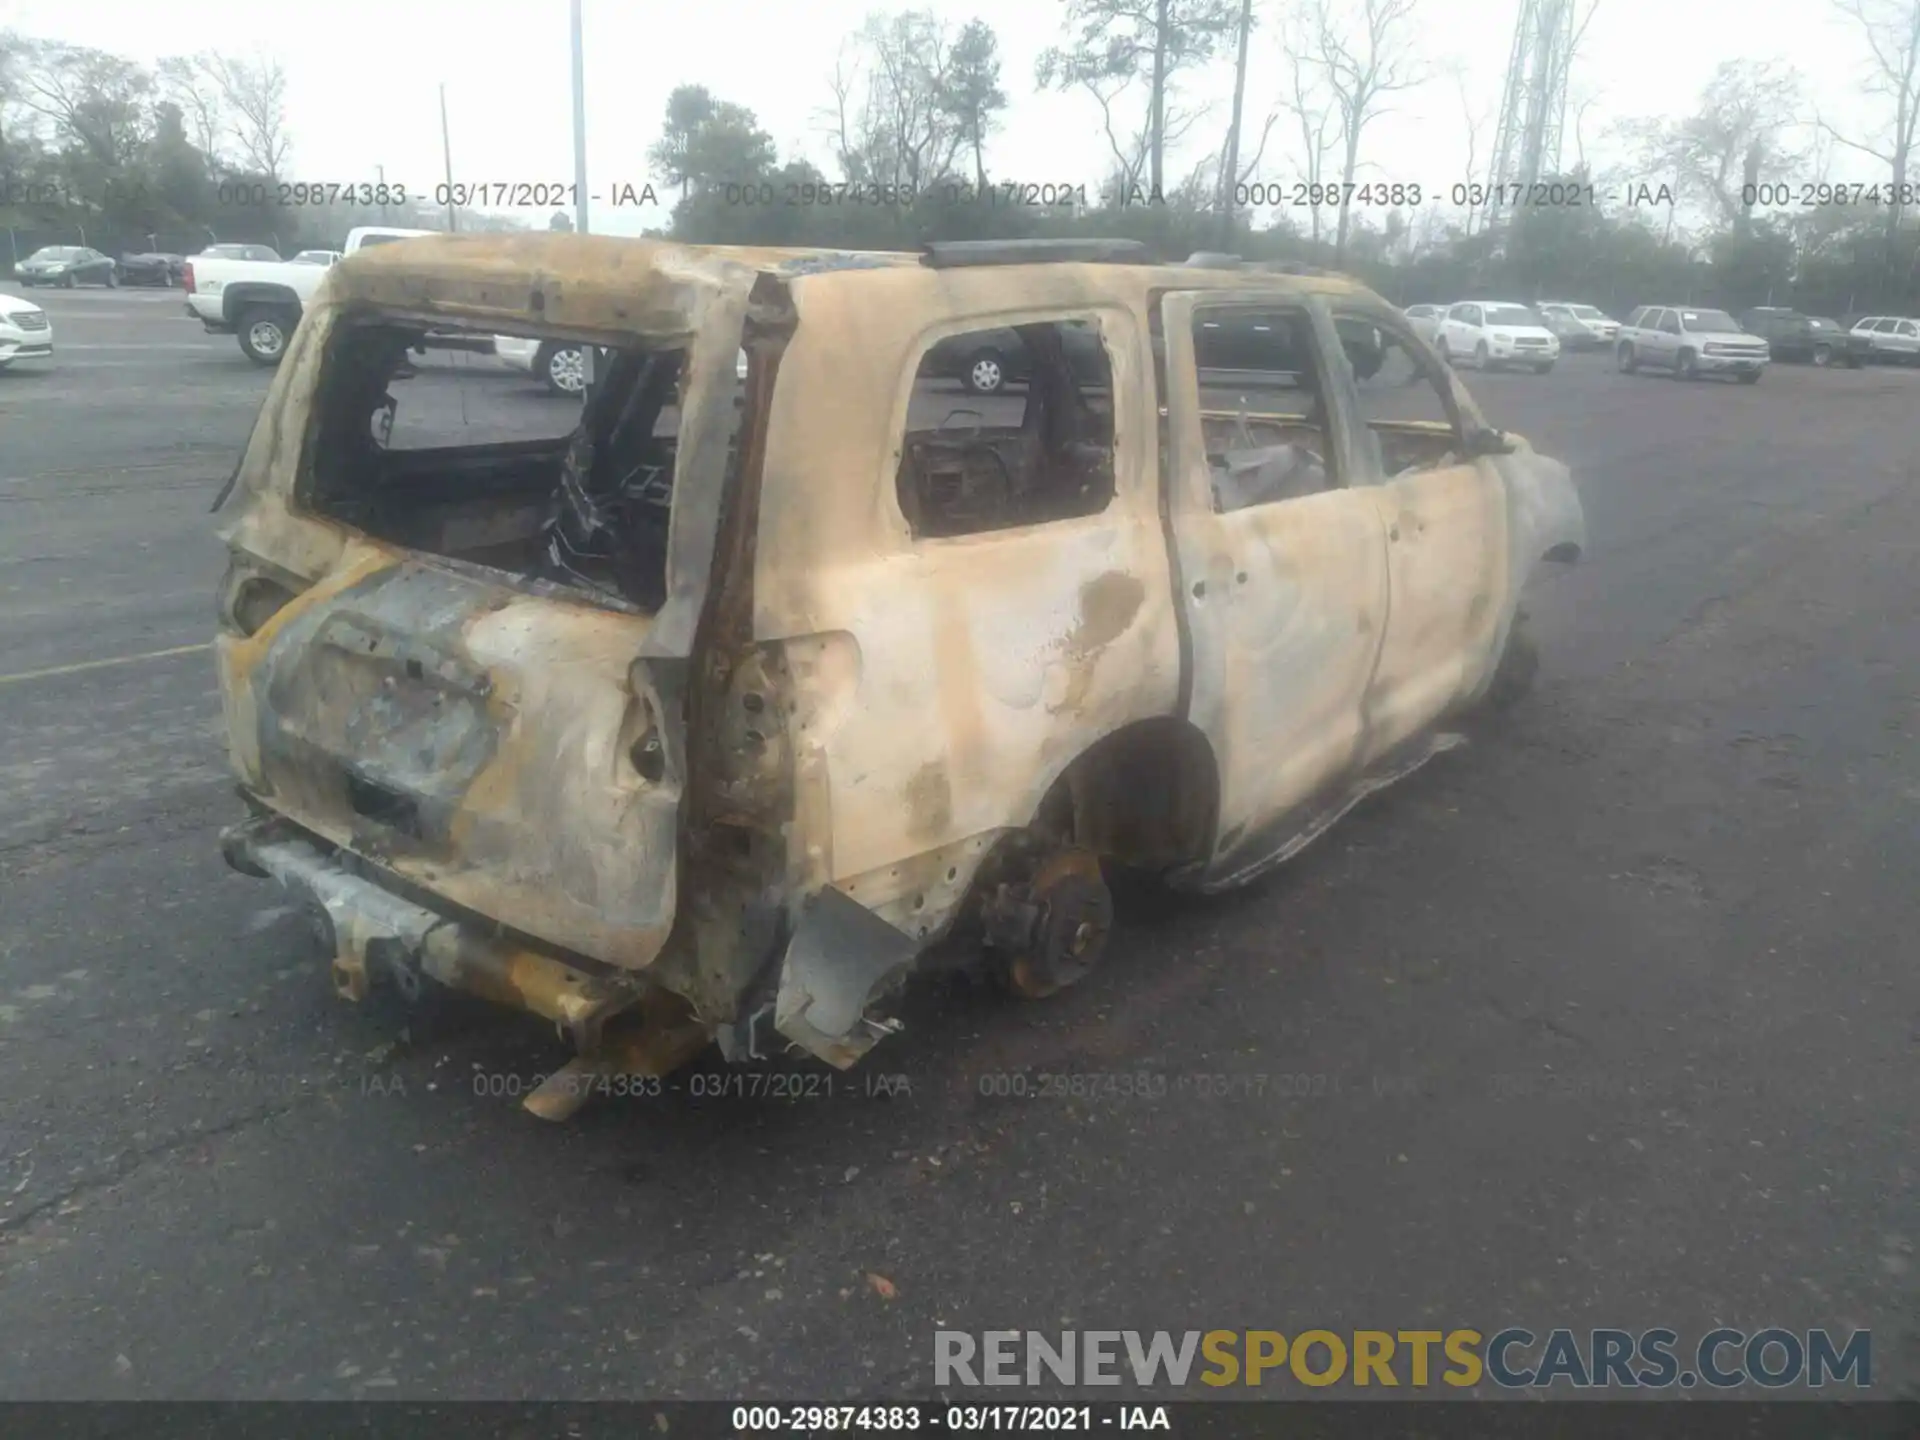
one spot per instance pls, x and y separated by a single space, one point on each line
712 716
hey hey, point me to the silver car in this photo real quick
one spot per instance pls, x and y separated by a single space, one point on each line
1689 342
1890 338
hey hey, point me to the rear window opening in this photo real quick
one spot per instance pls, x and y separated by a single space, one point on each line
428 441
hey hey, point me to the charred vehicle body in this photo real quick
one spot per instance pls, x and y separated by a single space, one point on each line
709 718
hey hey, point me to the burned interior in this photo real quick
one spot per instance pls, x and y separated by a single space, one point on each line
586 506
1264 385
962 474
1282 453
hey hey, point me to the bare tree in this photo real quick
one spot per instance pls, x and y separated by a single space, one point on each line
1120 43
188 81
1891 29
1309 102
1474 123
1364 55
1230 162
96 103
1735 135
1132 150
898 116
255 94
1582 101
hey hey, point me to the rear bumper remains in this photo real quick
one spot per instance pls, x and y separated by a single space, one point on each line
617 1026
836 965
376 935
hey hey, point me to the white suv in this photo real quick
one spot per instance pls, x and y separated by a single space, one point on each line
1890 338
1494 333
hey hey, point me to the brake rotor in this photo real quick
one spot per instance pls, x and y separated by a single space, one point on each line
1076 918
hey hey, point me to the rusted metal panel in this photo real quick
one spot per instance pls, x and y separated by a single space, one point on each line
943 686
474 742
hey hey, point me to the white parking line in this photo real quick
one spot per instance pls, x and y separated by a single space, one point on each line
53 670
144 345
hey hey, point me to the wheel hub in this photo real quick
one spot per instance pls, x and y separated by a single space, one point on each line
1065 915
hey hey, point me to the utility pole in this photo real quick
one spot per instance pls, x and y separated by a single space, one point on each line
579 125
446 150
580 164
381 171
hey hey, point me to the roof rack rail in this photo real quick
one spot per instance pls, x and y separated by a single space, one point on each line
958 254
1221 260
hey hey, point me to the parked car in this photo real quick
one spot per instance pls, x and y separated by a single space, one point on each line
259 254
261 300
152 267
1814 339
1597 330
711 731
988 361
561 363
1689 342
67 266
25 331
362 236
1425 320
318 257
1890 339
1571 334
1495 333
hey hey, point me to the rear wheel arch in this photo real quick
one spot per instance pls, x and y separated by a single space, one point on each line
1146 796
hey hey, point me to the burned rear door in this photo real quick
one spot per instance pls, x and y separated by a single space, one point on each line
1282 569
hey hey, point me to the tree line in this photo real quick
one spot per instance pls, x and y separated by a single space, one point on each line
100 150
1730 203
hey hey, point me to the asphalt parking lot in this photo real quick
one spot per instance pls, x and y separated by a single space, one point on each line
1611 1018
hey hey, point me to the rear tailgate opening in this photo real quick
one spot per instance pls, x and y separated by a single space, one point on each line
491 714
452 454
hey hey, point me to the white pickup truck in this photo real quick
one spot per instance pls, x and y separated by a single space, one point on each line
261 301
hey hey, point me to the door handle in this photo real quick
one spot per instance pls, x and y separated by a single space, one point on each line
1394 533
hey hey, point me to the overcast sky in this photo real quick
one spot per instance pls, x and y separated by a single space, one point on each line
364 77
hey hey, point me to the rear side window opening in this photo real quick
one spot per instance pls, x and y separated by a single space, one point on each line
451 452
1008 428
